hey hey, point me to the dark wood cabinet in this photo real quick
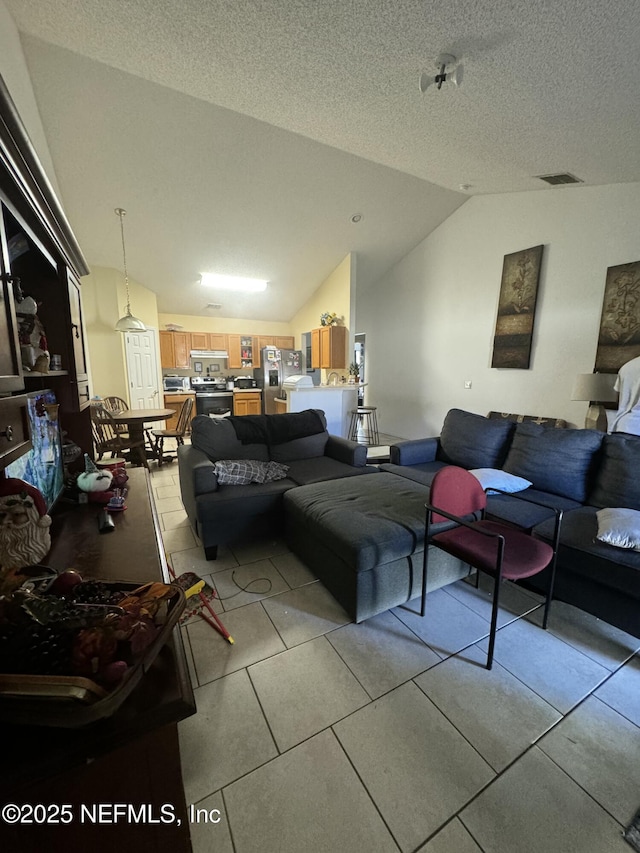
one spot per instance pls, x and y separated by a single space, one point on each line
39 258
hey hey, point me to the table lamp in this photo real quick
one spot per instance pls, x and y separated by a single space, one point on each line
597 388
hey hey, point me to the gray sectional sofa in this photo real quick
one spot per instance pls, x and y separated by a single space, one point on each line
364 536
221 513
578 471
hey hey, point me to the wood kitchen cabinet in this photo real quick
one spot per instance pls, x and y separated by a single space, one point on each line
234 362
284 341
208 341
175 349
329 347
242 351
247 404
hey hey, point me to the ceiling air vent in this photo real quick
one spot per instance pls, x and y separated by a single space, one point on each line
562 178
213 305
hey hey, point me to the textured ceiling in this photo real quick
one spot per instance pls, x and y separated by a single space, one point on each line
203 119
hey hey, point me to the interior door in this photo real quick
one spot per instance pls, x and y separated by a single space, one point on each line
143 372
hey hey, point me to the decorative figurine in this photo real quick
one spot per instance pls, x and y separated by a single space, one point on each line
25 537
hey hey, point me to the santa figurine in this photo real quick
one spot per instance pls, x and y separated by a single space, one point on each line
24 529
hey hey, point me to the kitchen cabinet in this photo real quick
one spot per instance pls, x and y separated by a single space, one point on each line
175 349
174 402
208 341
234 361
315 348
284 341
329 347
247 403
241 351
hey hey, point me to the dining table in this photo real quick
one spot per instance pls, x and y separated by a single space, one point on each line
135 419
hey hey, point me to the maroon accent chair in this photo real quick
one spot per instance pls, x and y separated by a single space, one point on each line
499 550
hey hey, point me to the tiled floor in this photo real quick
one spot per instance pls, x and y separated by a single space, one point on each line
315 735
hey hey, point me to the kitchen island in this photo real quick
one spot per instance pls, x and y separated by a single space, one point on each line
336 401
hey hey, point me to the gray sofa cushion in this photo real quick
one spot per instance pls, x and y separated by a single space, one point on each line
300 448
560 461
365 520
617 480
473 441
218 440
423 473
315 470
523 514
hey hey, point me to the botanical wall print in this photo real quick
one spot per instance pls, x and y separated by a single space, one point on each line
619 339
516 308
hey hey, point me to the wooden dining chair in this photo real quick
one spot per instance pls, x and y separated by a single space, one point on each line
108 440
182 425
116 405
499 550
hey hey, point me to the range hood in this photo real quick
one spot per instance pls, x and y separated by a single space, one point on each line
209 353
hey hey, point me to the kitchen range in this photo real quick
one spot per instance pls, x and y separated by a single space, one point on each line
212 395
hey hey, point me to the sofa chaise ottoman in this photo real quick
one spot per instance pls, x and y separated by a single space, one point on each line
364 538
224 512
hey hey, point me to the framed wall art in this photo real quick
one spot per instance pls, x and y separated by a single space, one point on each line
516 308
619 337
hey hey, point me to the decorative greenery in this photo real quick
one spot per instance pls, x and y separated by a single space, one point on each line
328 319
354 370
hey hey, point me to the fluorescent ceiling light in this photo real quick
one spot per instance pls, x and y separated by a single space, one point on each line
232 282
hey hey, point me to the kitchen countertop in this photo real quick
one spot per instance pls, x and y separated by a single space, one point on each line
343 386
247 390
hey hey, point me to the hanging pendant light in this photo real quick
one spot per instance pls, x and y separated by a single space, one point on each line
128 323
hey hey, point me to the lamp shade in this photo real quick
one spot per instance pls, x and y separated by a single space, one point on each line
595 386
129 323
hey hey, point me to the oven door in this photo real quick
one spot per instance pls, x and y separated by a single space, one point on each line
216 404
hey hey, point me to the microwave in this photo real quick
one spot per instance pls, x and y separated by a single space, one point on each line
176 383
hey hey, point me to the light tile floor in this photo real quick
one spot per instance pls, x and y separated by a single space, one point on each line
316 735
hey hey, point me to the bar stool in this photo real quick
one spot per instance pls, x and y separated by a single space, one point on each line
367 417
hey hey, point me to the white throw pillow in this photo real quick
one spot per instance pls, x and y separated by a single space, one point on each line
495 478
620 527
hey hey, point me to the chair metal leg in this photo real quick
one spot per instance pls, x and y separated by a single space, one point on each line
425 565
494 621
159 449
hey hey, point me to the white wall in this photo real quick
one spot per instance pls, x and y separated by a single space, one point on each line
15 74
430 321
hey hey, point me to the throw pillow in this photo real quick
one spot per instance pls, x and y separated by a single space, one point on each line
495 478
617 482
620 527
473 441
241 472
560 461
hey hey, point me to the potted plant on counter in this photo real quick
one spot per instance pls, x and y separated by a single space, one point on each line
354 373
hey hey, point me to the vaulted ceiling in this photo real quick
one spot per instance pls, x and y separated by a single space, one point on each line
241 136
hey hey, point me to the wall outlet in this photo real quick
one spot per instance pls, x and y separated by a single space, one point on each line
467 384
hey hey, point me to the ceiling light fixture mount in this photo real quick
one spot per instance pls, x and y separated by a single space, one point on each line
444 61
127 323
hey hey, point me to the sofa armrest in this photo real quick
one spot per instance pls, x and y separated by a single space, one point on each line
196 472
347 451
414 451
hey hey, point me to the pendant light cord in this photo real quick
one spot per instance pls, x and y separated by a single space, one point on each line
122 213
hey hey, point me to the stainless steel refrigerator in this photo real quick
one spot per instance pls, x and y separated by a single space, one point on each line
275 366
